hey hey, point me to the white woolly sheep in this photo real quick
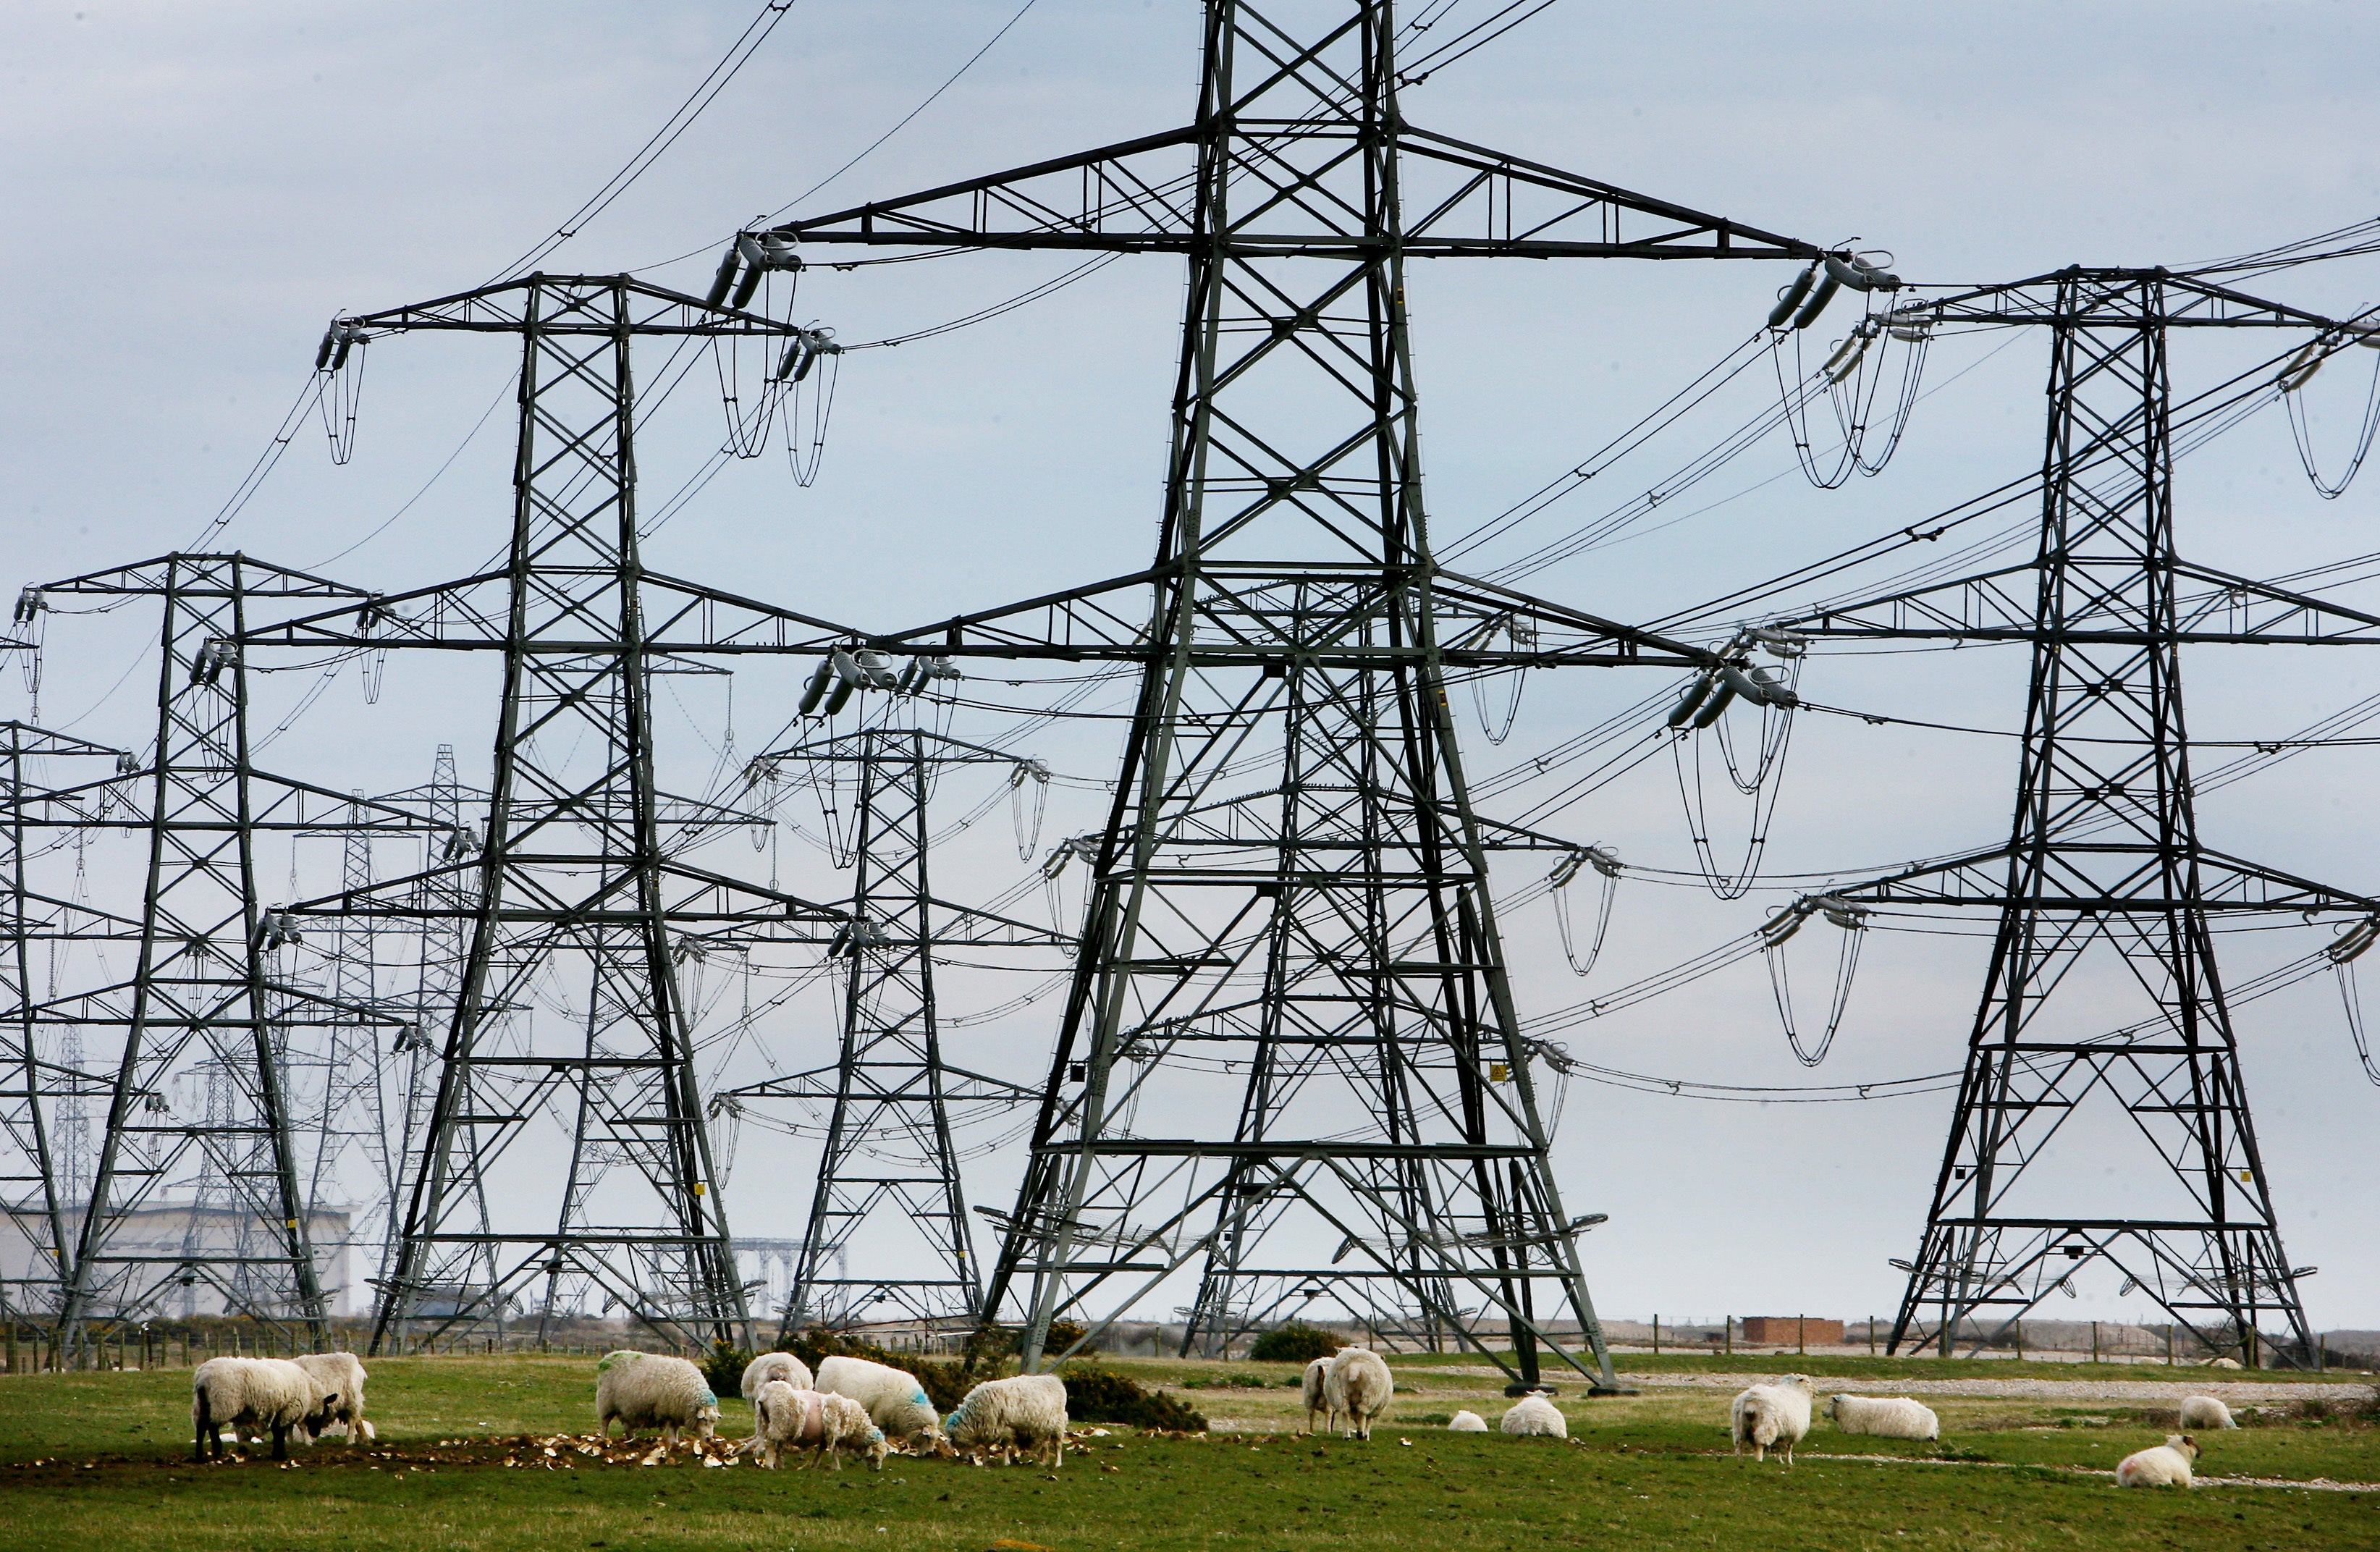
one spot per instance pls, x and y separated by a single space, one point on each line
344 1373
1358 1384
256 1393
2164 1465
1466 1422
1317 1397
2205 1412
2223 1363
653 1390
1023 1412
1772 1417
1534 1416
1886 1418
786 1417
895 1400
774 1365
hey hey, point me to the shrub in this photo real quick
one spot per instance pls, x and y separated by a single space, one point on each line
1096 1395
1294 1343
723 1369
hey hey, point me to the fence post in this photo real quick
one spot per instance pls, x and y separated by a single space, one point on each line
2095 1341
1871 1336
1727 1337
2019 1327
1802 1334
1656 1336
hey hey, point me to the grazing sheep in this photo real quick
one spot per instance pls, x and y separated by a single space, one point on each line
2164 1465
1023 1412
1772 1417
1897 1417
895 1400
774 1365
1358 1384
653 1390
786 1415
256 1393
1317 1398
1466 1422
2205 1412
1534 1416
2223 1363
344 1373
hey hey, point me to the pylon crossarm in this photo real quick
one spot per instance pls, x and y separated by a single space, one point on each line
505 308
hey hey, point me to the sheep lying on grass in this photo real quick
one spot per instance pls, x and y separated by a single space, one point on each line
2164 1465
2205 1412
2223 1363
786 1417
1358 1384
1466 1422
256 1393
653 1390
1772 1417
344 1373
774 1365
1893 1417
1535 1416
1317 1395
895 1401
1023 1412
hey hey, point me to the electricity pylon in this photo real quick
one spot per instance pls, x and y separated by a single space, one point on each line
581 897
2102 864
204 1000
889 1157
1289 914
39 1084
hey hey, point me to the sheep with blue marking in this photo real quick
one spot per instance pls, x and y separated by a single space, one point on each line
892 1398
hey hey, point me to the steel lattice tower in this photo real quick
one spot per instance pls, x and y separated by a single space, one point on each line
38 1185
203 1000
2104 864
580 889
889 1155
1311 950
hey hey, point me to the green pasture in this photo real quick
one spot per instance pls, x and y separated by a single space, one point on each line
102 1460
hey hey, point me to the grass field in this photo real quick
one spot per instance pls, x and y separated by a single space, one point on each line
101 1461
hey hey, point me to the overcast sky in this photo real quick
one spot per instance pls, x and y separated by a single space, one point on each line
193 190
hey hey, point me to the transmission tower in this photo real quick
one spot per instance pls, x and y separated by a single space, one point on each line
1310 955
203 1001
581 894
889 1157
2104 864
40 1089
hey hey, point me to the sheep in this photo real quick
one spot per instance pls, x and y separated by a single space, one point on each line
1317 1398
1022 1411
2164 1465
256 1392
1358 1384
895 1400
774 1365
1897 1417
1534 1416
1772 1416
2205 1412
785 1415
1466 1422
653 1390
2223 1363
343 1372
